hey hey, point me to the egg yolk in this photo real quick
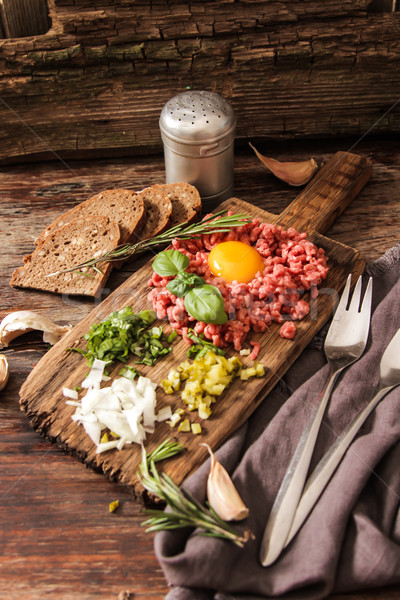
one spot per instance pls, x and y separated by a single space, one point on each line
235 261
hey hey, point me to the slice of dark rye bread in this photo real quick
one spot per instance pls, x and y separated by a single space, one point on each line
167 205
186 203
158 209
122 206
70 245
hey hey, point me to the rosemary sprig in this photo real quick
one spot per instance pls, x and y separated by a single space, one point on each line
215 223
166 449
183 509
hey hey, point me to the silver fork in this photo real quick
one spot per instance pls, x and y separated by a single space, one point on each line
344 344
389 378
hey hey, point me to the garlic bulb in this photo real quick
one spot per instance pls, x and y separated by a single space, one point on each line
293 173
3 372
222 495
19 322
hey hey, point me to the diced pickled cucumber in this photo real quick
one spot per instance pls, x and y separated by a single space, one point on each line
204 410
184 426
175 418
215 389
206 377
260 371
247 373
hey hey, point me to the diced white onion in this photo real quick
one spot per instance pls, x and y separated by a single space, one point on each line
95 374
93 430
127 408
68 393
72 403
106 446
164 413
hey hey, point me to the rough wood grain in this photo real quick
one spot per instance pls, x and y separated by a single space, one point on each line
22 18
48 498
105 69
313 210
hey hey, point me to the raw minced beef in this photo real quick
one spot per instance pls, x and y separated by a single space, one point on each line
293 265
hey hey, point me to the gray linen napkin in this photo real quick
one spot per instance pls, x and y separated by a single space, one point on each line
351 540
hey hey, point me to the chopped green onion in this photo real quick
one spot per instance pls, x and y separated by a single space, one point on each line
128 372
201 346
124 333
172 336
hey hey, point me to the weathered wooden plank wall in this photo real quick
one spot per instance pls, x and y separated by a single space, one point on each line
20 18
96 82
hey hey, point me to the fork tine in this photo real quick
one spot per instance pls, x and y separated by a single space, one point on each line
343 299
355 299
367 300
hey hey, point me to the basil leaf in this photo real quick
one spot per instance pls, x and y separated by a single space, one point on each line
183 283
195 280
170 262
191 278
178 287
205 303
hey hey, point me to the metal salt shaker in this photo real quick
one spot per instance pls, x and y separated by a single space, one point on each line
198 132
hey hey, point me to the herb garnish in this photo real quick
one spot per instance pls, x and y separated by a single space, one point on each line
128 372
217 223
170 262
201 346
205 303
124 333
202 301
183 509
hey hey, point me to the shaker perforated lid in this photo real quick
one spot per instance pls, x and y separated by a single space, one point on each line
196 116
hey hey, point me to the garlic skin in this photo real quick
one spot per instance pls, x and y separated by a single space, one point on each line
293 173
4 373
222 495
19 322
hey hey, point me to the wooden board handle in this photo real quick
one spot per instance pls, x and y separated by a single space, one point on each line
328 193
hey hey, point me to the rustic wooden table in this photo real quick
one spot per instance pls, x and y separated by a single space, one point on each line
58 538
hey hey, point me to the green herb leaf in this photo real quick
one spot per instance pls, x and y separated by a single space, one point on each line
201 346
184 509
191 279
128 372
170 262
166 449
183 283
178 287
124 333
205 303
172 336
147 316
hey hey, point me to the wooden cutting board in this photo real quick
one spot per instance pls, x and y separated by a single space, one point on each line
313 211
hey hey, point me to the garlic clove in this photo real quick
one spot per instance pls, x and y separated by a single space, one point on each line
20 322
222 495
4 373
293 173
